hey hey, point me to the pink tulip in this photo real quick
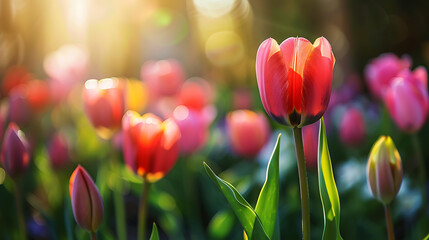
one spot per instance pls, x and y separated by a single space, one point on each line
295 79
163 78
310 139
248 132
15 155
86 200
380 72
407 101
58 151
352 127
193 128
150 146
104 104
242 99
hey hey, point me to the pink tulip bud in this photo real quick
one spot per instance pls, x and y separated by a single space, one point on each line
104 104
248 132
86 201
193 128
15 156
352 127
407 101
150 146
310 138
19 108
384 170
58 151
380 72
295 79
163 78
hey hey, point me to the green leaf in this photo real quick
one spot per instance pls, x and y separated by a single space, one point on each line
328 189
242 209
268 201
154 235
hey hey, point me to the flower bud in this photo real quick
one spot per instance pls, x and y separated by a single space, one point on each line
384 170
86 201
58 151
248 132
14 155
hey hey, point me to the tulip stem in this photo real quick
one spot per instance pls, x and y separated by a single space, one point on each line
143 210
93 236
118 201
422 169
20 212
389 224
303 183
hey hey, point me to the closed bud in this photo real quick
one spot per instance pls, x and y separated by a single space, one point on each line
14 154
384 170
86 201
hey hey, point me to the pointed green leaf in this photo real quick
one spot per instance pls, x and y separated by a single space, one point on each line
242 209
154 235
328 189
268 201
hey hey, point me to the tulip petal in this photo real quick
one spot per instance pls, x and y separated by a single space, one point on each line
271 73
168 150
317 81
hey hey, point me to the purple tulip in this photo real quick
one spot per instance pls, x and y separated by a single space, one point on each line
14 154
58 151
86 201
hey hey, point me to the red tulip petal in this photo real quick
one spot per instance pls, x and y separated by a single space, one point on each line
317 81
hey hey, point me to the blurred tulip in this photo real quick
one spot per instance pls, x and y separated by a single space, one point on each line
380 72
163 78
66 66
58 151
15 155
310 139
384 170
37 94
196 94
352 127
150 146
242 99
104 104
248 132
295 79
19 108
86 200
408 102
15 76
193 128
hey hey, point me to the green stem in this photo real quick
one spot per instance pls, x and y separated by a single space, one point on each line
143 210
389 224
422 169
118 200
93 236
303 183
20 212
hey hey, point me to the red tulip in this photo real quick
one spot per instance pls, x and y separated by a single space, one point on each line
58 151
86 200
407 100
151 147
295 79
163 78
310 139
15 156
193 128
15 76
382 70
352 127
248 132
196 94
104 104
